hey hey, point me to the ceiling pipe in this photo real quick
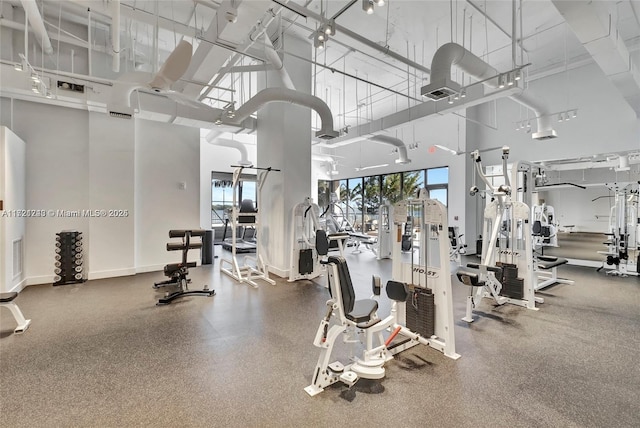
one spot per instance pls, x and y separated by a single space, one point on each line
403 157
275 60
115 35
304 12
35 19
212 138
285 95
451 54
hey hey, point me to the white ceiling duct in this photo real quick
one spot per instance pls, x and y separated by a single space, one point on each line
35 19
441 86
289 96
225 142
275 60
173 68
403 158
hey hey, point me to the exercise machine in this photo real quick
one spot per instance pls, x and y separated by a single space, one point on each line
351 317
505 272
544 228
178 282
309 242
421 310
623 236
526 178
384 244
7 301
457 245
252 268
429 276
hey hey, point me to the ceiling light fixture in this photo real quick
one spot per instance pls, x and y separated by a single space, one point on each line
463 93
446 149
501 81
380 2
364 168
450 100
18 66
367 6
560 117
518 74
510 81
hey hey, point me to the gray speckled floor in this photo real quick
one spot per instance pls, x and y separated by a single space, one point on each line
102 354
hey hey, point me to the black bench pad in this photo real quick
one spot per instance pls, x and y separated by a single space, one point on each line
548 262
7 297
362 311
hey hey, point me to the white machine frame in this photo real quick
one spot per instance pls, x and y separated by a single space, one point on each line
304 224
433 270
623 231
258 270
23 324
384 245
377 349
517 214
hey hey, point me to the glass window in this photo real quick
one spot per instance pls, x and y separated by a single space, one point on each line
412 182
248 191
324 193
221 200
438 175
371 198
354 206
391 189
439 194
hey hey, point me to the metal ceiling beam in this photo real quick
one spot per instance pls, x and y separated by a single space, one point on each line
475 96
357 37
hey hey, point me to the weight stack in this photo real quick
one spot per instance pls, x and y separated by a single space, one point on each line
421 311
512 286
69 262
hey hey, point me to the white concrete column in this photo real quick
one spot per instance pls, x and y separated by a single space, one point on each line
284 142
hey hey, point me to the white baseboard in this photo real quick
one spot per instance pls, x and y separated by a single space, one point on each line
111 273
19 286
37 280
149 268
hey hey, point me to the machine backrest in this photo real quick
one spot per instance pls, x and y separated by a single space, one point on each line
322 242
347 293
247 206
397 291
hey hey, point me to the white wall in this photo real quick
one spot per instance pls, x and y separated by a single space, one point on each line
76 160
165 156
111 177
57 179
12 192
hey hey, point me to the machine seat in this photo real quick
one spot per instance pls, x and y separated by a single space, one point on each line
495 269
8 297
363 311
469 277
549 262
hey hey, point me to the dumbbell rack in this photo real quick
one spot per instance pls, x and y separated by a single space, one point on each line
69 258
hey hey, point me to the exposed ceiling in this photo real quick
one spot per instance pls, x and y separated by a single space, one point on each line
354 76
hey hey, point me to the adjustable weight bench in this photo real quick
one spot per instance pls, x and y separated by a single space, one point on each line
6 300
177 272
547 271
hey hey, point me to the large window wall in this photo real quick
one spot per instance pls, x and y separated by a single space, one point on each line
222 194
356 201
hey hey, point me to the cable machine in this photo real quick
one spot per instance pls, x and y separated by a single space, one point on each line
623 236
309 242
505 272
257 269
